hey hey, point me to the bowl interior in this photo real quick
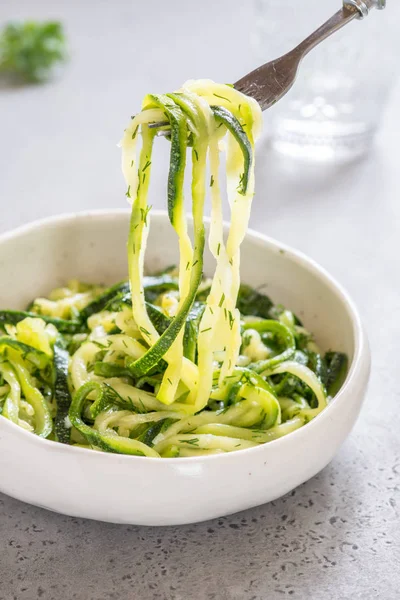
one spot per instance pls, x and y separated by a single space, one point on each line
92 247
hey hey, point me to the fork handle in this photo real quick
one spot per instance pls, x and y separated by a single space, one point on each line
339 20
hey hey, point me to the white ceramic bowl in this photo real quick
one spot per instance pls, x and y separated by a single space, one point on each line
149 491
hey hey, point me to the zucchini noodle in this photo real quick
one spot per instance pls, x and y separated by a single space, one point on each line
171 364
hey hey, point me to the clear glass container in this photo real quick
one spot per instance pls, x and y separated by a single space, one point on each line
335 106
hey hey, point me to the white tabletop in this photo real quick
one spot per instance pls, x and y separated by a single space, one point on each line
338 535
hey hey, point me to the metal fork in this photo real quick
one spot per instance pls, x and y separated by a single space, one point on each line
271 81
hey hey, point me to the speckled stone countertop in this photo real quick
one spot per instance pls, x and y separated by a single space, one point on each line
338 535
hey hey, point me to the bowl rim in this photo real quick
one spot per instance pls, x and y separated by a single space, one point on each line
360 356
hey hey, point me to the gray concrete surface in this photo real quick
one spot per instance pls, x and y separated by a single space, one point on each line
338 535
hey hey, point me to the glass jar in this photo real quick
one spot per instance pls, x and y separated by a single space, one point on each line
335 106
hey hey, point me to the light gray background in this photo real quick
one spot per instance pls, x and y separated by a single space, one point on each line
338 535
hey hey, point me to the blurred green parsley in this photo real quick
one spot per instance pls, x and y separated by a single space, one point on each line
30 50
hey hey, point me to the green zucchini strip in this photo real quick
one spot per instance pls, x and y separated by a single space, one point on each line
36 357
309 378
176 210
12 317
153 286
160 321
254 435
61 393
19 354
212 329
251 386
189 264
244 413
103 300
280 330
43 420
234 127
224 328
240 188
138 183
109 441
192 331
160 348
337 371
205 442
12 403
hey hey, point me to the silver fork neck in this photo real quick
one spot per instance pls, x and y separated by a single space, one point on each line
364 6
